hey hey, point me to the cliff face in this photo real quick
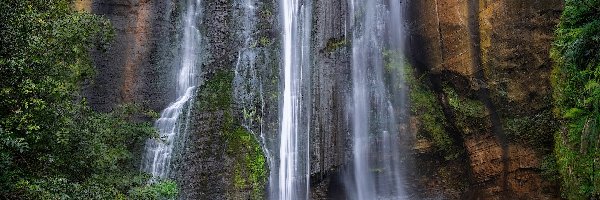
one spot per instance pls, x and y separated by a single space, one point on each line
494 53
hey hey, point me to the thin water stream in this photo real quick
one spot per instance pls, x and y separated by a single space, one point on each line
172 123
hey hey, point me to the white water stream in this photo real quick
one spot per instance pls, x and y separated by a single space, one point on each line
294 163
171 124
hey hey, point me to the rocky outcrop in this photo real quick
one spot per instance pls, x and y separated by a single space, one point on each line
496 54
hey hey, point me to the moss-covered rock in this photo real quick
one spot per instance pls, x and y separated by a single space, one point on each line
216 93
471 114
250 168
425 106
492 76
228 161
531 130
335 44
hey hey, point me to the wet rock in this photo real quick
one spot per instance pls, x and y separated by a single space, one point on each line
331 74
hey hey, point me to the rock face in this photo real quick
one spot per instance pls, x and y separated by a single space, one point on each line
493 53
499 51
135 68
221 159
206 169
331 76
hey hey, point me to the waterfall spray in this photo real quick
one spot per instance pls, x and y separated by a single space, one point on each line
377 165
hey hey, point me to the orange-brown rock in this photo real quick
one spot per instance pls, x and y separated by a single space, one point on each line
136 68
490 169
496 52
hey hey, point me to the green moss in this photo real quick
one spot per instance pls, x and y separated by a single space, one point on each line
394 66
264 41
470 114
425 107
335 44
250 169
464 106
424 104
550 168
249 163
216 93
265 24
266 10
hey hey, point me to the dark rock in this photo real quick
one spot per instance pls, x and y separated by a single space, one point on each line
138 67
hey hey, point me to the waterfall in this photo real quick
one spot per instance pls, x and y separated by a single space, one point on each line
171 124
377 105
293 173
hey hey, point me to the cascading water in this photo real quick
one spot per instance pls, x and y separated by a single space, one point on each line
293 173
171 124
377 165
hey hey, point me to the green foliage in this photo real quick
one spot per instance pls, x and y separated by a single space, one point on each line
165 189
61 188
576 78
52 145
93 159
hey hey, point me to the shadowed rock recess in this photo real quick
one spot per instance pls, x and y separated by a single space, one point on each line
481 71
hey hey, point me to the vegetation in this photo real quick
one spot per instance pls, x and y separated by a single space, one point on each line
335 44
424 104
216 92
250 169
470 114
531 130
464 106
52 145
249 163
426 107
576 81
